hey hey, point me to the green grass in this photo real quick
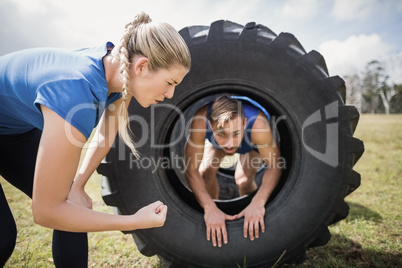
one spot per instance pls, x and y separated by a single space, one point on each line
369 237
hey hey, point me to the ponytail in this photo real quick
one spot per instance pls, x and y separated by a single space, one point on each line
161 44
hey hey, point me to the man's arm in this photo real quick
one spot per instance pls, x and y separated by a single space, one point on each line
194 151
269 151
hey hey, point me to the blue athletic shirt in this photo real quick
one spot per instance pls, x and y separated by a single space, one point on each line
71 83
251 110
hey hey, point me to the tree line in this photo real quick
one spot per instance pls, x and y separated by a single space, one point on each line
372 92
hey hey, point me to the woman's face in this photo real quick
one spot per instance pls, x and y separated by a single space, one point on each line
150 87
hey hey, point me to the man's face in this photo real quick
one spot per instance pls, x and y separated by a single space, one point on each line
230 136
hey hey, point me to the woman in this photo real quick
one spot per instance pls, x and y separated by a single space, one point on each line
50 102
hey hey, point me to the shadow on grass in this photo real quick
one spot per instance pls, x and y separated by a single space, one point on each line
357 211
344 252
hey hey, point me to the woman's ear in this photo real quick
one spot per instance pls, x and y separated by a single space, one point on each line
140 65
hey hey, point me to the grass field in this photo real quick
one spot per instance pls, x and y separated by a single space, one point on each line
370 236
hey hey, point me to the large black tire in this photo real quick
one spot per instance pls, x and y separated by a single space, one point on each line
314 125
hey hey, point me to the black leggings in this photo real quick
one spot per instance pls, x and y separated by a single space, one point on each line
17 165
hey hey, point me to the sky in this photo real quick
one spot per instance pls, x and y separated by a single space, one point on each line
348 33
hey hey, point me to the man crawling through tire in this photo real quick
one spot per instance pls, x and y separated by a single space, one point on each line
232 124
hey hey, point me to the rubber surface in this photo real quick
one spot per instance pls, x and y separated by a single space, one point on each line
310 118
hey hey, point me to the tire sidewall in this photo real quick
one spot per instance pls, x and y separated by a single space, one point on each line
278 82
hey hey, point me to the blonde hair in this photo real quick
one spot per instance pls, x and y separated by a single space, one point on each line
161 44
225 109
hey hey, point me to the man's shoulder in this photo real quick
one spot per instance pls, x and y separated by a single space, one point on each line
261 122
202 112
261 132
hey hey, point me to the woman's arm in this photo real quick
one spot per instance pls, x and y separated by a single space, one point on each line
56 165
100 145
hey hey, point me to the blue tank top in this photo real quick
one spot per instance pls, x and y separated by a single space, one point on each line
251 110
71 83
